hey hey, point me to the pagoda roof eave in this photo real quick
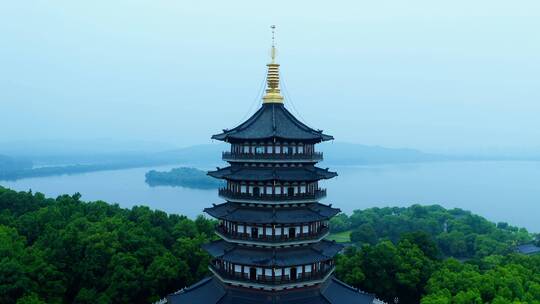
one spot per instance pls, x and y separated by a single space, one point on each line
272 120
261 215
279 257
212 291
291 174
231 138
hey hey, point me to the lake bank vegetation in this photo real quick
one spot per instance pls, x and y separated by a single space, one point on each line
182 177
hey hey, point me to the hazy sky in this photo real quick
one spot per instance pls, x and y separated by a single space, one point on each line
434 75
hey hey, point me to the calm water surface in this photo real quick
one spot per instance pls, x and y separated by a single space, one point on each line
499 191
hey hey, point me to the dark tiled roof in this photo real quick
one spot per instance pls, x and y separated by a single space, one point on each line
269 215
211 291
305 173
528 249
206 291
301 255
273 121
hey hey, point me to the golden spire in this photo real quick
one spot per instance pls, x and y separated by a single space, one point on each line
272 78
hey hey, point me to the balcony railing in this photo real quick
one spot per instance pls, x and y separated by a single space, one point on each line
275 280
228 194
315 156
271 238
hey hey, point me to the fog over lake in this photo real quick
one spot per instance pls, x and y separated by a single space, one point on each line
500 191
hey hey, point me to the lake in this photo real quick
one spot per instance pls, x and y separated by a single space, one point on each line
500 190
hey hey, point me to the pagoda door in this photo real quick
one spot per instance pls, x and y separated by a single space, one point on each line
289 150
293 273
256 191
292 232
290 191
252 273
254 232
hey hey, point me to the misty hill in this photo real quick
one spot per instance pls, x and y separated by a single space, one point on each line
83 152
203 156
10 164
356 154
334 153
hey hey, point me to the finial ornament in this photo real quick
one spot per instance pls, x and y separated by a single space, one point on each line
273 27
272 78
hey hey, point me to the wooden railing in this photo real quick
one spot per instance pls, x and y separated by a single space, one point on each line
271 238
315 156
228 194
275 280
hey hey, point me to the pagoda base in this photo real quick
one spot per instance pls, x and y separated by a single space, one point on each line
212 291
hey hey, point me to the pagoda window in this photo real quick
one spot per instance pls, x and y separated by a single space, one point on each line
303 189
240 228
259 149
300 149
278 231
246 149
243 189
278 190
237 268
268 231
268 189
305 229
268 272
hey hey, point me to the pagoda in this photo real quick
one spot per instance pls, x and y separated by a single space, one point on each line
272 228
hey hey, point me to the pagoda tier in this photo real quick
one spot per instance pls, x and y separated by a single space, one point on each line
272 121
272 268
274 278
272 192
272 226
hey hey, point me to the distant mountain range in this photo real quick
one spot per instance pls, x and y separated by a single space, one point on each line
74 161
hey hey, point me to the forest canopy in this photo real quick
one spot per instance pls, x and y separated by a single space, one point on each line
65 250
457 233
